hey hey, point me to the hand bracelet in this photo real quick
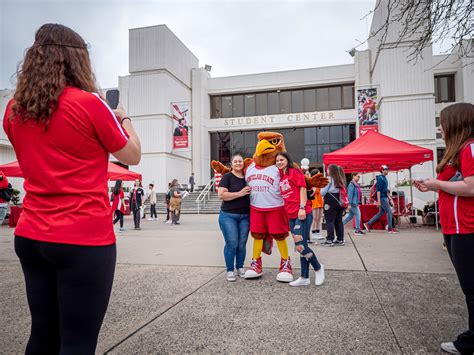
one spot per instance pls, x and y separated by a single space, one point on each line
125 118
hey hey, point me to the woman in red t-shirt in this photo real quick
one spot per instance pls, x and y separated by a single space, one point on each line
117 197
455 184
298 209
62 133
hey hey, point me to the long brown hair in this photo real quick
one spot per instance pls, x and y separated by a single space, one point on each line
58 58
337 174
457 122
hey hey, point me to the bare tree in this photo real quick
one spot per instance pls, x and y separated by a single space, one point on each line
419 23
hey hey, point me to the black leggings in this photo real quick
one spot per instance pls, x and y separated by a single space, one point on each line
136 218
119 217
333 215
153 211
461 248
68 289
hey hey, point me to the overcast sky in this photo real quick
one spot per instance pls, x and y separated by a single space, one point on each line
235 37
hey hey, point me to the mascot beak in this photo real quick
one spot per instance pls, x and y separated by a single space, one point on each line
264 147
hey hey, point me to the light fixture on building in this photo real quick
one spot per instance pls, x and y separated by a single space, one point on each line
208 68
352 52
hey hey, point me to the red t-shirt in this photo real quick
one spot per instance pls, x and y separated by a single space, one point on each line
290 184
456 212
117 201
65 170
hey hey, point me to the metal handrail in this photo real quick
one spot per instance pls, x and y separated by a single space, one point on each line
205 193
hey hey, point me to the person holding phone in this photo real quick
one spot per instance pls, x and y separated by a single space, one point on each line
62 132
234 217
455 185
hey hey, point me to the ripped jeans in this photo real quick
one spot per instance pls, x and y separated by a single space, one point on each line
300 231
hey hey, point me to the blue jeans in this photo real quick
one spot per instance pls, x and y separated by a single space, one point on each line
384 208
3 213
354 212
235 228
300 230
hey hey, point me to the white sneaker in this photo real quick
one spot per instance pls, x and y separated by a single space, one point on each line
149 219
168 221
449 348
319 276
231 276
121 230
300 282
316 236
241 272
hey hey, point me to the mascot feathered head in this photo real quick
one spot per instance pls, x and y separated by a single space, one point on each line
268 146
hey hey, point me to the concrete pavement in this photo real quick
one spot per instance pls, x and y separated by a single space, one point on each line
383 294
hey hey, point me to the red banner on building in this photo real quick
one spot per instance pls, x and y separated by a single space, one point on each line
367 110
180 114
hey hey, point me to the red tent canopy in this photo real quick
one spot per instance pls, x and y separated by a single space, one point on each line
373 149
115 172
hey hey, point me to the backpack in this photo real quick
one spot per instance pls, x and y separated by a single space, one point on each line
7 193
373 190
343 197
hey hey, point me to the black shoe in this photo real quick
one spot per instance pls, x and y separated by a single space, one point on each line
138 229
177 223
327 243
339 243
359 233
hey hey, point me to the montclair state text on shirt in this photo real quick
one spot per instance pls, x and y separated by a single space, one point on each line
263 177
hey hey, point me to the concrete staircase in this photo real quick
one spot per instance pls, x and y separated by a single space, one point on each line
189 205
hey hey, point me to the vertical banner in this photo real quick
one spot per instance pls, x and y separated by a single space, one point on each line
367 110
180 113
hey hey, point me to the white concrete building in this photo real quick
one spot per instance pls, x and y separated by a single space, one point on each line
314 108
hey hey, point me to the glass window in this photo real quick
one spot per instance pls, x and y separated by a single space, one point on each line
250 139
250 105
335 134
273 103
347 96
261 103
334 147
444 88
322 99
346 134
335 98
226 106
322 149
311 152
285 102
238 106
224 147
216 107
440 152
322 134
293 143
297 101
237 142
309 100
310 135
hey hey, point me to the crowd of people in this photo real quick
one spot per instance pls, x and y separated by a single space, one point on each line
65 240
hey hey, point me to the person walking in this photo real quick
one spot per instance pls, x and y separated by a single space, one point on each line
234 217
62 132
136 203
4 197
118 204
153 215
298 208
333 208
455 185
167 202
384 201
176 197
191 182
317 206
354 194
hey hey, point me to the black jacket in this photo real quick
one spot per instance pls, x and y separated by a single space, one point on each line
135 205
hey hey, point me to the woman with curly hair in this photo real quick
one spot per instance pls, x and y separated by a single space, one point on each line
62 133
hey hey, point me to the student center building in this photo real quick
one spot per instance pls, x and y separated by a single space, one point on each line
315 109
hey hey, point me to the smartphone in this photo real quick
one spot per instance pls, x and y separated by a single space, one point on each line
457 177
112 97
